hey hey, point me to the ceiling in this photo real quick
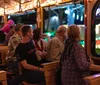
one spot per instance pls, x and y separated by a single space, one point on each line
13 6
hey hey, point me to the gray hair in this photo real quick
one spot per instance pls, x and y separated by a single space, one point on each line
61 28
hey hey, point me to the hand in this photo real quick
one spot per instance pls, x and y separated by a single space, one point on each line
44 35
39 53
41 69
42 54
91 61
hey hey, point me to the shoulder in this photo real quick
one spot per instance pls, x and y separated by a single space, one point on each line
19 46
54 39
77 46
12 37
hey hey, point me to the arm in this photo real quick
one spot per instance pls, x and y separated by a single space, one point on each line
80 57
53 49
46 36
94 67
82 60
30 67
21 56
41 54
14 42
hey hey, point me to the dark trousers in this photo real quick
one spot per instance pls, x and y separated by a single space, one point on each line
0 83
2 37
13 67
31 77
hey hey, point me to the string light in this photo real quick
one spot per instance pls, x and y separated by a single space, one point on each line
14 6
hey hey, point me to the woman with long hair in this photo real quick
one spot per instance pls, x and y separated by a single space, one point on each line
75 63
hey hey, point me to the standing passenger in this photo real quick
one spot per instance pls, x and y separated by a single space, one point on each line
56 45
75 63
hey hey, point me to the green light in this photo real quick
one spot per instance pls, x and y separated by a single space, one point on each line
51 34
82 42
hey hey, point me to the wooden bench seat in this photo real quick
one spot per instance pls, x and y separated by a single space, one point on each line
50 74
3 77
3 53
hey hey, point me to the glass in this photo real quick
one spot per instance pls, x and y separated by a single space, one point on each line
97 38
64 14
95 30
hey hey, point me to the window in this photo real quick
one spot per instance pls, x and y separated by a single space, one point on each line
95 29
64 14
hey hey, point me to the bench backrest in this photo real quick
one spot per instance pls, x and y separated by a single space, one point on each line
94 79
50 72
52 67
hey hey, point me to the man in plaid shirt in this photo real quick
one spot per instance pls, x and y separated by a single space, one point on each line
12 44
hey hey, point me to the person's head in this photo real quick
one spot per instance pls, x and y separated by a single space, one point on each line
10 22
62 31
27 31
37 34
74 32
17 29
6 28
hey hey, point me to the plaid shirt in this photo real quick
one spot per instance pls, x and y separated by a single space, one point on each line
12 44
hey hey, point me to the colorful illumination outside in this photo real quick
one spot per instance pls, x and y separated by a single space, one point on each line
31 4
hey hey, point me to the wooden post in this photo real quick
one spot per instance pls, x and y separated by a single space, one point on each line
5 18
38 14
38 18
41 18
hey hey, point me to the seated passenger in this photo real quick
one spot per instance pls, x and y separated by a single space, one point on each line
13 42
25 52
75 63
40 45
56 45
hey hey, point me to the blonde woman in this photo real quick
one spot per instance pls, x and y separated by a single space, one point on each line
75 62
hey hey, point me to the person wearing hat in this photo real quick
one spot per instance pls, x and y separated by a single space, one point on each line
6 32
56 45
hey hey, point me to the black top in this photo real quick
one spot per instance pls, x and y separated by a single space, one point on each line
26 51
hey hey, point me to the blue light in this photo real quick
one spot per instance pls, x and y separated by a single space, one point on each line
8 16
78 7
77 17
73 15
66 11
81 18
31 25
55 18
